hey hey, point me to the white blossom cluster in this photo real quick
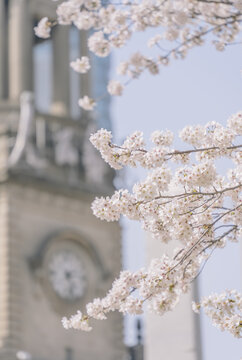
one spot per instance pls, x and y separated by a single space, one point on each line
161 286
77 321
187 202
181 25
115 88
43 29
210 142
225 311
87 103
81 65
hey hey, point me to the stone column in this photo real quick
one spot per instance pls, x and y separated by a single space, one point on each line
10 280
3 50
20 48
85 78
61 67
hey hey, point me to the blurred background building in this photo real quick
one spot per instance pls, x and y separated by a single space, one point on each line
55 255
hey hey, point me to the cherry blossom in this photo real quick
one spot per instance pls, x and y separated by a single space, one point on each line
115 88
81 65
87 103
225 311
181 25
183 197
187 203
43 29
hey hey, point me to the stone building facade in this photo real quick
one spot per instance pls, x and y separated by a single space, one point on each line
55 255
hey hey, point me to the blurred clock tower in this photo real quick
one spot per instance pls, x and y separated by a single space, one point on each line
55 256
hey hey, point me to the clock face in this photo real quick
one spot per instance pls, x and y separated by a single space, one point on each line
67 275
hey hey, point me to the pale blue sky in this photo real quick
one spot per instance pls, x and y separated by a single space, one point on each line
206 86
